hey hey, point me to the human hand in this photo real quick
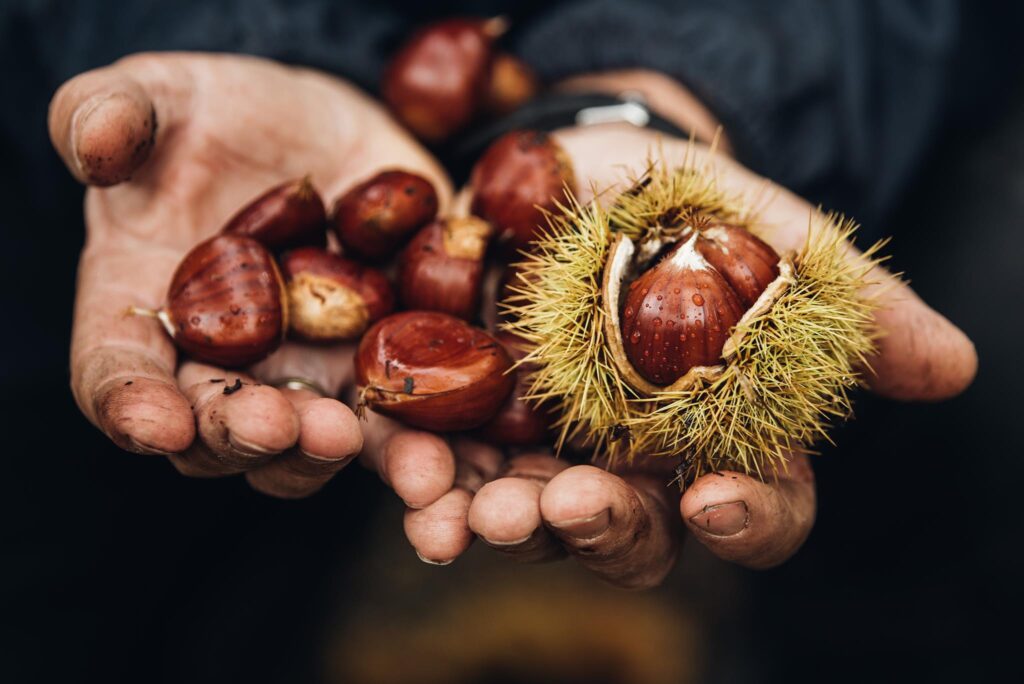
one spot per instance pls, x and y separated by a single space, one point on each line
625 526
171 145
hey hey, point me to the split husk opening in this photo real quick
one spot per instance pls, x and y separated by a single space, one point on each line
789 365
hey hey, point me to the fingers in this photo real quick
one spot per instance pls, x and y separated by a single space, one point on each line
505 513
329 438
104 123
122 367
440 531
921 356
753 523
622 530
241 423
419 466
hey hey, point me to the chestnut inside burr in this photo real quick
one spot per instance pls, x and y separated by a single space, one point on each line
678 296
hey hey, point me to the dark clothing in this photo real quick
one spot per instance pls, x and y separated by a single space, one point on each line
836 100
116 568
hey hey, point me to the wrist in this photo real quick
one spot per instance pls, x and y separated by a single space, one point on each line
662 94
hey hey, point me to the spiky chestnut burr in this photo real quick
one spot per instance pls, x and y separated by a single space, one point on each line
442 268
522 175
434 85
331 298
287 215
432 371
375 218
782 376
679 313
226 302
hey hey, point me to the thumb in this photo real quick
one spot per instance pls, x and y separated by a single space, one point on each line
104 123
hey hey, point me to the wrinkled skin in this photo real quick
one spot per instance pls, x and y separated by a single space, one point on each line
229 127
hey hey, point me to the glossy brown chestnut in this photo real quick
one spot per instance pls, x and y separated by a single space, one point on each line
226 302
434 85
331 298
510 85
679 313
746 262
517 422
433 371
522 174
374 219
442 268
288 215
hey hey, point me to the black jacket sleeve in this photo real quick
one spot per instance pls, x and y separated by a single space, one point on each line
836 100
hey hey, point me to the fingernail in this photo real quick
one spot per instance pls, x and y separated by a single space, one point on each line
514 542
433 562
585 528
723 520
415 507
140 448
246 448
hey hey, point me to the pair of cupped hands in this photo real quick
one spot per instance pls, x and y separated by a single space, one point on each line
172 144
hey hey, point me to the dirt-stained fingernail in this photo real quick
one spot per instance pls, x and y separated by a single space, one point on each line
428 561
722 520
584 528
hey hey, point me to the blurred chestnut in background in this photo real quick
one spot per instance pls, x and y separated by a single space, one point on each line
511 83
520 176
435 84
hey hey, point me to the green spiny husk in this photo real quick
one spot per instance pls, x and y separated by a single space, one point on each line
788 380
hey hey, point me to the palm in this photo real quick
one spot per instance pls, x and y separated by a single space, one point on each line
228 128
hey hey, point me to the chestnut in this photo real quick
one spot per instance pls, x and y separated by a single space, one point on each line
373 219
432 371
442 268
510 85
331 298
517 423
434 85
226 302
287 215
678 314
520 176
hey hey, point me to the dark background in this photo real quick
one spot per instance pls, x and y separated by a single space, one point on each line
114 568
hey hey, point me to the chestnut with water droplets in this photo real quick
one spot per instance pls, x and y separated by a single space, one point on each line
374 219
226 302
678 314
287 215
331 298
435 84
442 268
520 176
432 371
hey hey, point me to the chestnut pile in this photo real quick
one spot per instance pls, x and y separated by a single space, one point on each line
284 267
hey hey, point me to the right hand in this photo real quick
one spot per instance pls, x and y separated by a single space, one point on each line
171 145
